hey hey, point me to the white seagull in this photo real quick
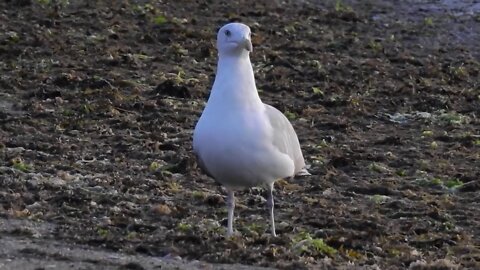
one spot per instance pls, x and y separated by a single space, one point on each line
240 141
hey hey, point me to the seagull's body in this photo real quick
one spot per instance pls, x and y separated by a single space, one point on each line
240 141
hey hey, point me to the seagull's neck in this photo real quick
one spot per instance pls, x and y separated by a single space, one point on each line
235 83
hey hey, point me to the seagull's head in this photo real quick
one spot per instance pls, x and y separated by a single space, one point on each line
234 39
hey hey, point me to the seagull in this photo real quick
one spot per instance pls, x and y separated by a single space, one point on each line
238 140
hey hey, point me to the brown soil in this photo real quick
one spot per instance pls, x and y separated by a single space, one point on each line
98 100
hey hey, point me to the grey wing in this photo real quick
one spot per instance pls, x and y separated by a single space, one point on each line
285 138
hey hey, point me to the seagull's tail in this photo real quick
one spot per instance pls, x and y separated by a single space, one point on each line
303 172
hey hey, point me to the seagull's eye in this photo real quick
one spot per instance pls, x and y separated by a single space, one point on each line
228 33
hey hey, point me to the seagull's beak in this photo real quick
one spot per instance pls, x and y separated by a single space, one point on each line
248 44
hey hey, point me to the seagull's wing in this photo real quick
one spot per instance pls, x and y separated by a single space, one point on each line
285 139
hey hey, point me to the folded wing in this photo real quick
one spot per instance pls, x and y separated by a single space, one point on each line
285 139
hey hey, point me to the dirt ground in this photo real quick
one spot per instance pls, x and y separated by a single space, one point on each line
98 100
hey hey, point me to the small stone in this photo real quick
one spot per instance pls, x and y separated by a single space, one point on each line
34 207
65 175
59 100
328 192
161 209
214 200
283 226
55 182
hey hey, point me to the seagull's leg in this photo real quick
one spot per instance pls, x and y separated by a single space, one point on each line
231 207
270 208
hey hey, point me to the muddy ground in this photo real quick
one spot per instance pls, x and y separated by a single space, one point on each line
98 100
